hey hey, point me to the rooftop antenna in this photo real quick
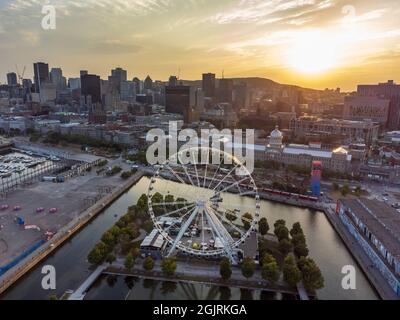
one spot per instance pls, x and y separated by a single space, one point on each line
20 75
223 74
179 73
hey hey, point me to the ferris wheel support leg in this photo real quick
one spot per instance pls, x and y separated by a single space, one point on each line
227 246
182 232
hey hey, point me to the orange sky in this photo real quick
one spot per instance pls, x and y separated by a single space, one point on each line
313 43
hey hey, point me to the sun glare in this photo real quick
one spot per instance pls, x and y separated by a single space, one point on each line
311 53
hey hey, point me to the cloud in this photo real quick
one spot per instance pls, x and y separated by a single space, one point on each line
113 46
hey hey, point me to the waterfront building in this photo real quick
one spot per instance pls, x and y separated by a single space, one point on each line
350 131
153 245
376 227
338 160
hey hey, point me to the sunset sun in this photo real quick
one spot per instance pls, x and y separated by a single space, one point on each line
311 53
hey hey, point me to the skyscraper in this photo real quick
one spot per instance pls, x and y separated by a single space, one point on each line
12 79
148 83
41 74
57 78
209 85
120 74
178 99
90 86
173 81
225 90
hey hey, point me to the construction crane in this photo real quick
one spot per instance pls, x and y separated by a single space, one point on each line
20 75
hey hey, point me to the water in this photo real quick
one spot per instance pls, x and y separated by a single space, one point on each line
325 246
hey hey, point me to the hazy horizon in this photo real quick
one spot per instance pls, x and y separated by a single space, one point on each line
310 43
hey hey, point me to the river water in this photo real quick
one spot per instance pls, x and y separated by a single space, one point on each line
326 248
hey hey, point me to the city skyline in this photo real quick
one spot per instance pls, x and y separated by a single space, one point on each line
270 39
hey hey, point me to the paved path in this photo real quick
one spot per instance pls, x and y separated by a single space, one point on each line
79 294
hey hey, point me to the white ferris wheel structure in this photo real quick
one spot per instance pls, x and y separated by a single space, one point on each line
202 220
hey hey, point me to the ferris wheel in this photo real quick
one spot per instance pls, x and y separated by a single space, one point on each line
205 210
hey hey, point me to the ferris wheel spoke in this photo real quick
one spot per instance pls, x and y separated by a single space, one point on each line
233 184
228 222
195 169
175 174
205 176
215 174
172 203
226 176
176 211
176 222
183 230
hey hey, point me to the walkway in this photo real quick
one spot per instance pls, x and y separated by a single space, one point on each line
79 294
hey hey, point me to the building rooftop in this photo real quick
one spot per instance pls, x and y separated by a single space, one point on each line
381 219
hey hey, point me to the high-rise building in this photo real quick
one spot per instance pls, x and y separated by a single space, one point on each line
389 90
138 85
90 86
225 90
12 79
127 90
209 85
361 108
83 73
240 96
56 77
74 83
178 99
199 100
120 74
148 83
41 74
173 81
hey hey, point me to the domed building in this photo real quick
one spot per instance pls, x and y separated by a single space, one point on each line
276 139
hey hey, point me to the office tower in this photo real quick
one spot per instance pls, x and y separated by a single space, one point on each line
127 90
316 174
83 73
389 90
178 99
209 85
56 77
90 87
12 79
225 90
120 74
74 83
148 83
138 85
41 74
361 108
199 100
173 81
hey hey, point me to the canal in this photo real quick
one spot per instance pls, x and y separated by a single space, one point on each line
326 248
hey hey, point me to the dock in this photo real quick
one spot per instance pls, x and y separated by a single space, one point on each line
79 294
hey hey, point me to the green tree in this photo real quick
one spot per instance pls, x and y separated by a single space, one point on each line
148 263
285 246
291 273
279 222
129 262
270 271
95 257
248 267
298 239
110 258
263 226
247 218
345 190
296 229
281 232
53 297
135 253
268 258
312 276
301 250
225 269
168 266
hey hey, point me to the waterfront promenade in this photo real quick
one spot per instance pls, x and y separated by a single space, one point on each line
375 277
